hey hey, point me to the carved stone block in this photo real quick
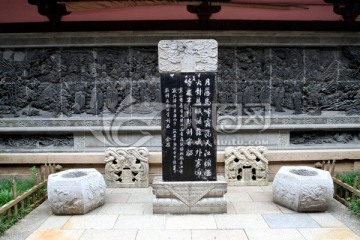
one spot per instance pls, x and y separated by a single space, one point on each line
76 191
303 189
127 167
188 55
246 166
189 197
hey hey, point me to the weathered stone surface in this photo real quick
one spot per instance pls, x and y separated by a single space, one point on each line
189 197
246 166
188 55
127 167
303 189
76 191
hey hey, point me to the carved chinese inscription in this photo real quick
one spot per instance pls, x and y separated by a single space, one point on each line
188 137
189 141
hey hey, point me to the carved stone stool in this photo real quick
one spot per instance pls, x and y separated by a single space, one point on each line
76 191
246 166
127 167
303 189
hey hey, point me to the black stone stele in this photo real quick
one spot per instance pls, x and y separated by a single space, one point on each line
188 120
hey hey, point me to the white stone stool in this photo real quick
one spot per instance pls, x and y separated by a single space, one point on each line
303 189
76 191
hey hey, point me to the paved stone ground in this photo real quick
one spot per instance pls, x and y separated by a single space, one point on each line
127 214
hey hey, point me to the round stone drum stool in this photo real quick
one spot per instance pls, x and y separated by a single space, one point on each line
303 189
76 191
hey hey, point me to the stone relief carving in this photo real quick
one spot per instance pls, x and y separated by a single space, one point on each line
36 141
61 82
246 165
127 167
76 191
308 138
188 55
303 189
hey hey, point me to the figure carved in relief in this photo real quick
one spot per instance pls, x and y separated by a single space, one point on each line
248 97
265 94
279 97
297 100
313 93
79 99
112 97
65 106
12 96
97 100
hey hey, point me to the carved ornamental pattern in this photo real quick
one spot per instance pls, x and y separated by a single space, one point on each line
188 56
246 165
127 167
189 197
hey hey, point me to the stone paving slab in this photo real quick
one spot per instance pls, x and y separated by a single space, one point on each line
267 188
141 197
261 196
329 234
245 189
230 208
274 234
109 234
250 216
238 197
240 221
256 208
54 222
191 221
90 222
218 234
163 235
56 235
290 221
326 220
117 197
140 222
122 209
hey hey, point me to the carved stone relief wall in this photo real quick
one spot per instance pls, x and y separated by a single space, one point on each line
339 137
36 141
91 89
61 82
84 81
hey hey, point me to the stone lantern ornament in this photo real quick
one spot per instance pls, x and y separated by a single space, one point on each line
303 189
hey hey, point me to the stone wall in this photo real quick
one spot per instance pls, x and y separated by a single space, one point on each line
86 92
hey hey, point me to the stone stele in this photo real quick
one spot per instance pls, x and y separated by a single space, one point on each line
303 189
76 191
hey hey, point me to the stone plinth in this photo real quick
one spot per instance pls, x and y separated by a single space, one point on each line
203 197
76 191
127 167
246 166
303 189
